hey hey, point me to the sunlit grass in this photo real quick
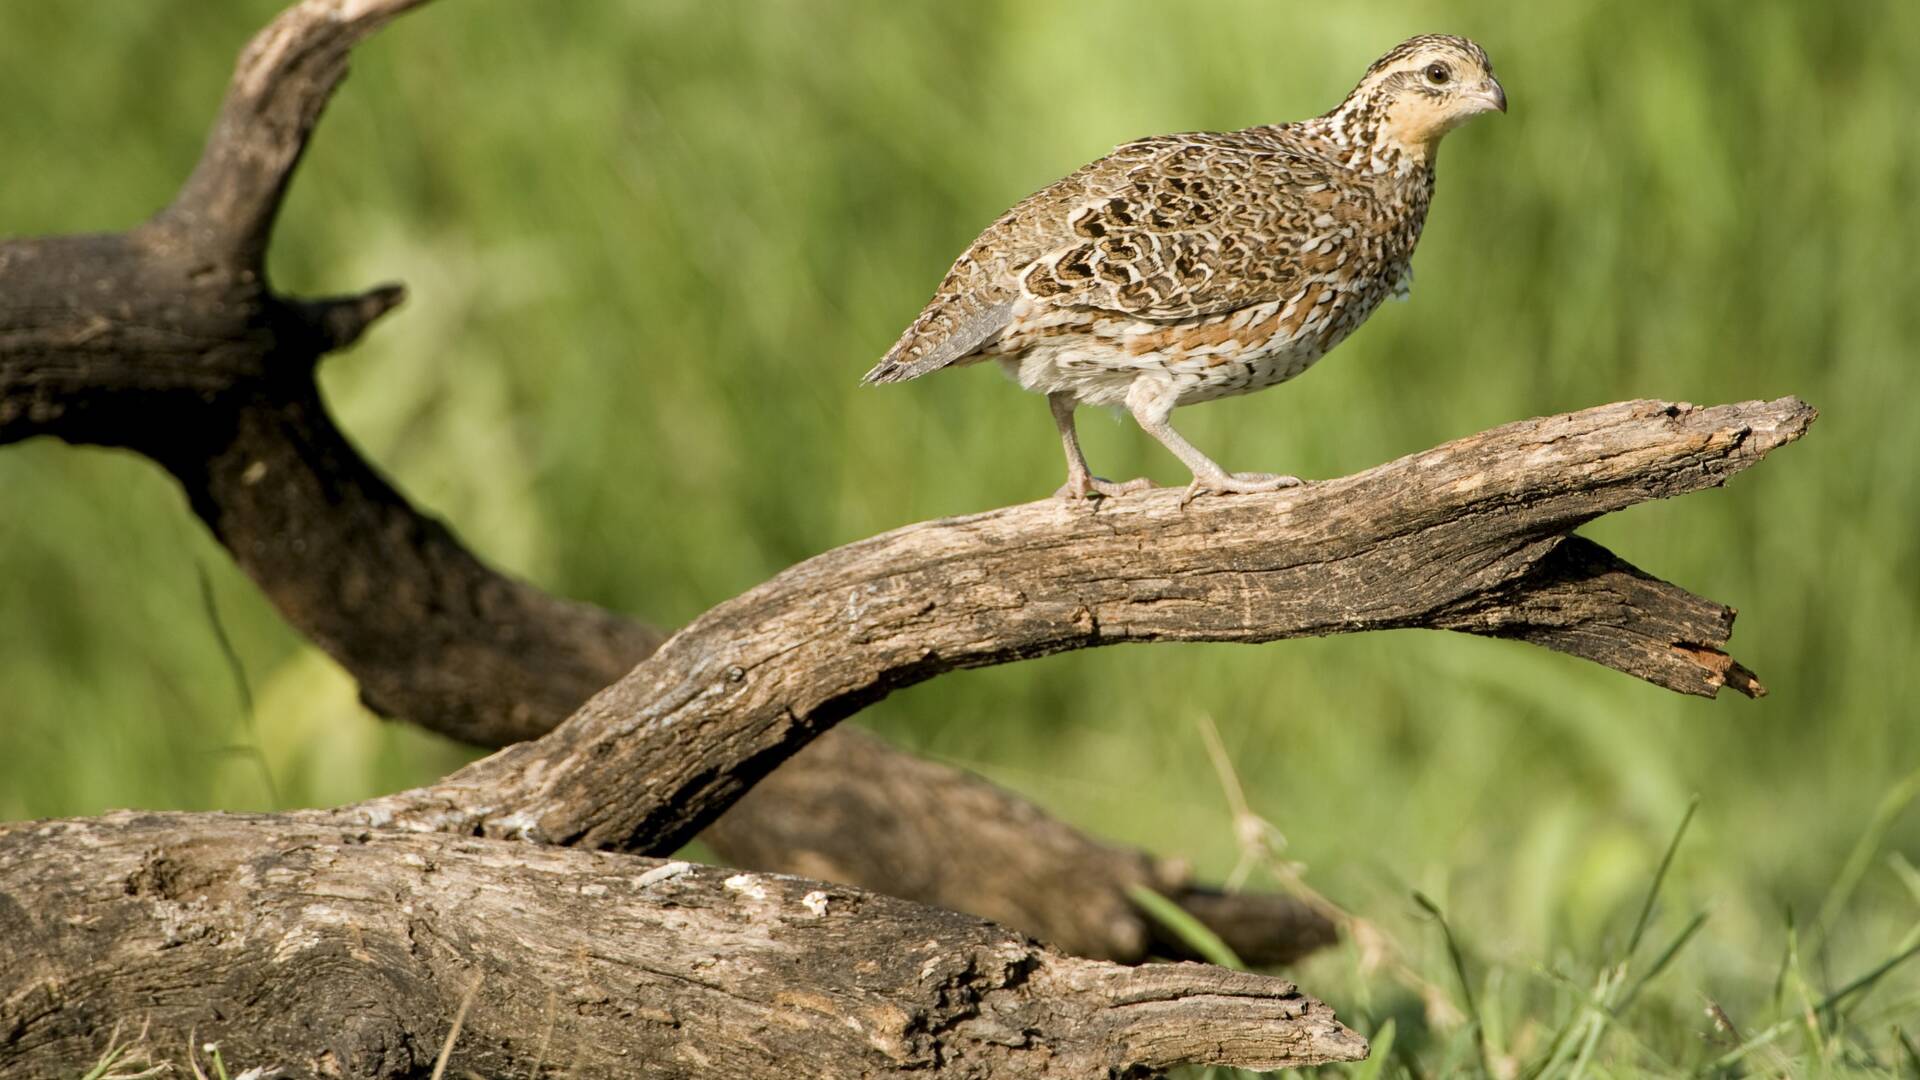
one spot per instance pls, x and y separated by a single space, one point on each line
1580 1013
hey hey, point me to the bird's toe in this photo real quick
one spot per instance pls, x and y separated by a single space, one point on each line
1090 487
1112 488
1237 484
1261 481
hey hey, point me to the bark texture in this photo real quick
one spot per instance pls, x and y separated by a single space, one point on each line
328 953
1473 535
167 340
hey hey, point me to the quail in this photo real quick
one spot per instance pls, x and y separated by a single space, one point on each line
1183 268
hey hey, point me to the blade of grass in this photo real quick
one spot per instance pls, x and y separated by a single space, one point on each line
1457 1053
459 1021
1913 1052
1555 1047
1866 982
1659 878
1192 933
243 689
1460 971
1660 963
1786 962
111 1056
1892 804
1905 871
1380 1047
1561 1043
1256 838
1809 1016
1826 1005
1908 941
1595 1025
1598 1019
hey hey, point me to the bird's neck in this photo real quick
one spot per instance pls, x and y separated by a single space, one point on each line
1360 137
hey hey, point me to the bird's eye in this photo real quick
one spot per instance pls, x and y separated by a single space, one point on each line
1437 74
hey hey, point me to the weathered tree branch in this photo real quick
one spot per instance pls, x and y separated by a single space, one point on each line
168 341
280 85
1474 535
331 953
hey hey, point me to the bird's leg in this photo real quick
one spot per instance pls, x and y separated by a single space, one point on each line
1151 403
1081 483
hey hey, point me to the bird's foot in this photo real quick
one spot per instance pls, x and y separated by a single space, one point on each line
1236 483
1087 487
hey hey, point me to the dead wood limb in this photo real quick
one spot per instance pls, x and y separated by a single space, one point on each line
1474 535
168 341
340 953
281 83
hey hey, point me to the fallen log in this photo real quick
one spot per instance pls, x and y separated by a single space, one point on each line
323 952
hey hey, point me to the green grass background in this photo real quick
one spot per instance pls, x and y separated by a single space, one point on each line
652 246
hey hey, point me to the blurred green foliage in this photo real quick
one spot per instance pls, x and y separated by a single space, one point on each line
652 246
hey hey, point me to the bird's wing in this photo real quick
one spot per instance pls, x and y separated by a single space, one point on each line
1185 226
1165 228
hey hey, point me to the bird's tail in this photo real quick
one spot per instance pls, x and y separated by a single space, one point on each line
941 336
890 369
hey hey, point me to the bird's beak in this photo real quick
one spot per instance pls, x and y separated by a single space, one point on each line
1492 95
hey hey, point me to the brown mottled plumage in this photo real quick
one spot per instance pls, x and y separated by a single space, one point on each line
1182 268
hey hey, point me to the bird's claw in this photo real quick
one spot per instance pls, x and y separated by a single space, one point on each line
1087 487
1236 483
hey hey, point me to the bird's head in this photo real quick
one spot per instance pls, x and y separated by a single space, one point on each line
1421 89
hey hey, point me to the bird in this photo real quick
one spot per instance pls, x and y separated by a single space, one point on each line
1187 267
